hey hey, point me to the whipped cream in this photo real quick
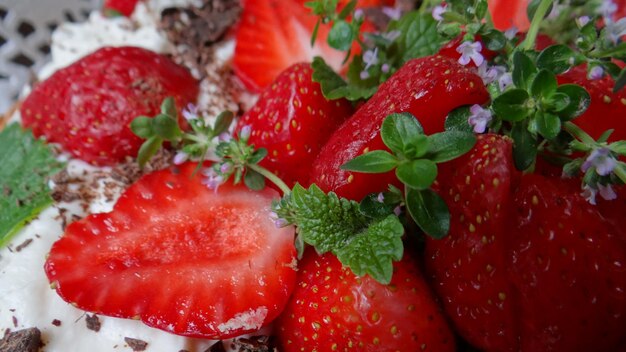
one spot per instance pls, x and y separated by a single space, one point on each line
72 41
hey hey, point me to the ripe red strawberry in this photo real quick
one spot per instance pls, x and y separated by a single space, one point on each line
509 13
429 88
607 110
275 34
119 7
528 265
293 120
332 310
180 257
87 107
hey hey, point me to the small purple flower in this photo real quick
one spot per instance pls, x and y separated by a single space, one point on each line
180 157
607 9
212 180
505 81
397 210
190 112
358 14
391 36
596 73
380 198
470 51
393 13
438 12
490 74
385 68
602 160
226 168
364 75
479 118
511 33
589 193
370 58
278 222
225 137
606 192
582 21
615 30
245 132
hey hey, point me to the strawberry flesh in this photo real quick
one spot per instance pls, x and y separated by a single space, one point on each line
180 257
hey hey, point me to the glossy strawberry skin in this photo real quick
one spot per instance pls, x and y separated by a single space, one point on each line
528 265
87 107
468 264
429 88
123 7
331 309
509 13
293 120
607 109
180 257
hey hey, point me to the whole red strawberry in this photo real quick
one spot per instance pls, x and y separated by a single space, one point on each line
119 7
607 109
429 88
87 107
180 257
332 310
529 264
292 120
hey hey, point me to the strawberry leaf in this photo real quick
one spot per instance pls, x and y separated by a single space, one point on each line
377 161
26 165
419 174
418 35
373 251
398 131
429 211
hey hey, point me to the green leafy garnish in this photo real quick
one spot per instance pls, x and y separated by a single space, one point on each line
27 163
414 156
337 225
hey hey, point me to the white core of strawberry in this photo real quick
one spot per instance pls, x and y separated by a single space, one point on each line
250 320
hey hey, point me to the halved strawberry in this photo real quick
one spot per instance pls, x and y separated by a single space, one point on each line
333 310
273 35
87 107
293 120
180 257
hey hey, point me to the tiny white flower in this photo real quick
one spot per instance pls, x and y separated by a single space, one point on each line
602 160
505 81
224 137
180 157
470 51
370 58
226 168
616 30
607 9
490 74
380 198
358 14
438 12
397 210
589 193
364 75
596 73
385 68
479 118
392 35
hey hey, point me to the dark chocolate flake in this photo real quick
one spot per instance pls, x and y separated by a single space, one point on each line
136 344
93 322
56 322
27 340
24 245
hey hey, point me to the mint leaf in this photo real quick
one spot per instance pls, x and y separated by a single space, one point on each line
374 250
377 161
419 36
324 221
429 211
26 165
399 130
334 87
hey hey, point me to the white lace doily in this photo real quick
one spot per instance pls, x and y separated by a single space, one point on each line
25 29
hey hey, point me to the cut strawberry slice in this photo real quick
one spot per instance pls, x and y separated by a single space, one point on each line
180 257
275 34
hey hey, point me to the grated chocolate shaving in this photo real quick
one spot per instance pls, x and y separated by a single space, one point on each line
27 340
93 322
136 344
24 244
56 322
246 344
